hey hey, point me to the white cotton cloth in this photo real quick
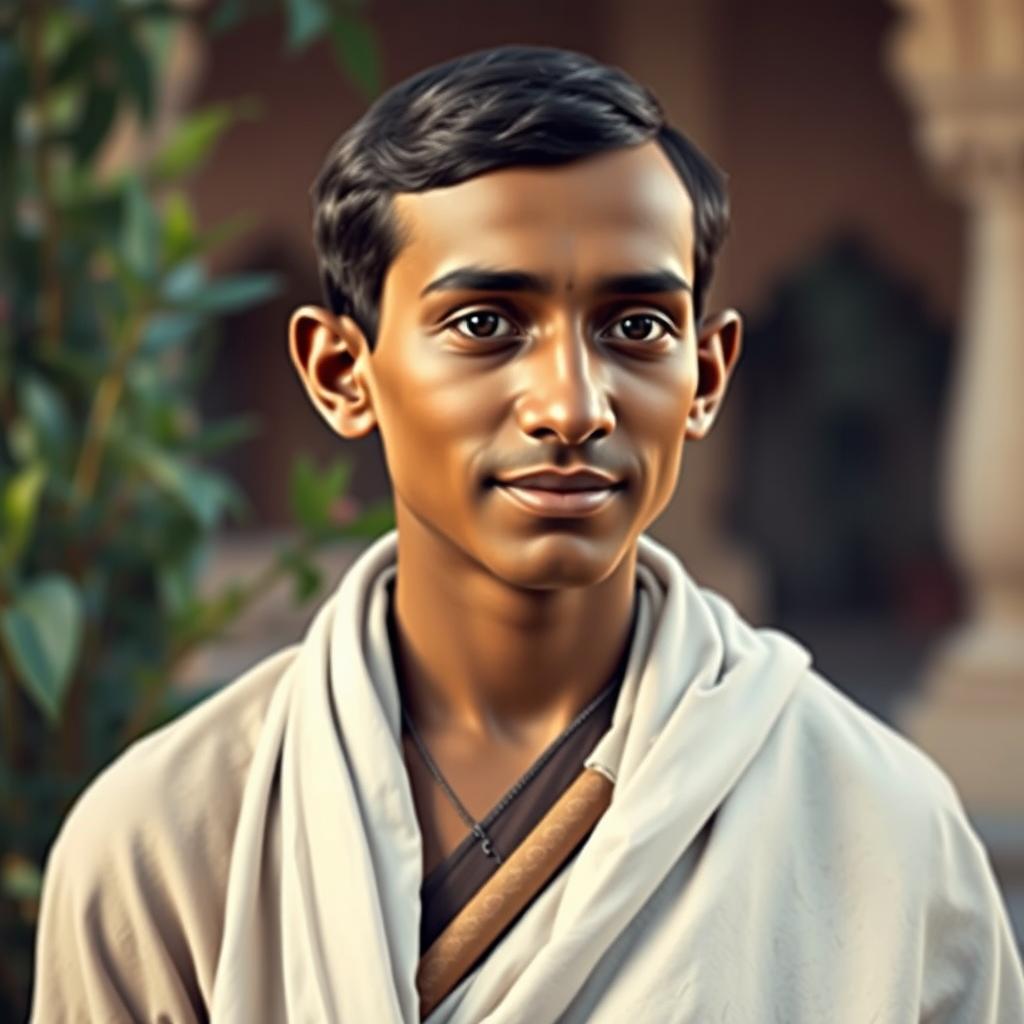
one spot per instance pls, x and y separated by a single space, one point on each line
771 852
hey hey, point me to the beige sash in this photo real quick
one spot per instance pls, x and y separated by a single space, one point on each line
511 888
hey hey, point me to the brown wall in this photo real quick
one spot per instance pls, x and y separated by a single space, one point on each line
816 136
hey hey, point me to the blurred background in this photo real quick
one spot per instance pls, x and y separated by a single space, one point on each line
173 508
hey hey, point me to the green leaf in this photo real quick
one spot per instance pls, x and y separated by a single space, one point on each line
196 136
42 633
20 503
226 434
307 579
140 231
20 879
95 121
307 21
14 88
157 10
77 60
230 294
375 520
136 70
59 26
47 412
356 51
180 232
183 283
91 209
208 496
228 229
186 287
204 495
165 330
22 441
228 14
177 579
313 493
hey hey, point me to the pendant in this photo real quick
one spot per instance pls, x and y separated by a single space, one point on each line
485 842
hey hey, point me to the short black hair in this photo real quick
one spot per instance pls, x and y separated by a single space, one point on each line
509 106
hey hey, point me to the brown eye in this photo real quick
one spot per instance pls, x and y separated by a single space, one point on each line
638 327
482 324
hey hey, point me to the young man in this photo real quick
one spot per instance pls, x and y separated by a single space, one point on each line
522 768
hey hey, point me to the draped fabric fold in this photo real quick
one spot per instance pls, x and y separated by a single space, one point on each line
350 848
770 852
701 707
350 874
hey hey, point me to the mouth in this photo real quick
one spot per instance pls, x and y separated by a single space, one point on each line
562 499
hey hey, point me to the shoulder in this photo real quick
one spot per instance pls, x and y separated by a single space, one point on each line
840 758
184 781
866 794
908 828
825 748
838 750
867 847
135 882
860 759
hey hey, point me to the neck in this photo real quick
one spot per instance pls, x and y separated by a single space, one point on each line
478 655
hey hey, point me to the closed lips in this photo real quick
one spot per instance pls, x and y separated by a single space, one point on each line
561 482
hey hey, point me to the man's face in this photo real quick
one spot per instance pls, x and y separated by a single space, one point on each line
539 318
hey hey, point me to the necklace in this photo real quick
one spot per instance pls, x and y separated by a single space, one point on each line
476 827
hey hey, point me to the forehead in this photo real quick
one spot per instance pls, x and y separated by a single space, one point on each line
618 211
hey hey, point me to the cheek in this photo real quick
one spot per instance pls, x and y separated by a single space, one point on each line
657 435
434 423
661 402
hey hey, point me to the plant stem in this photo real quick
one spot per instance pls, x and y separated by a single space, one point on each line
101 415
13 719
52 296
108 395
74 716
11 716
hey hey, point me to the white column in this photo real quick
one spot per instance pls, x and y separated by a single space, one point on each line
961 66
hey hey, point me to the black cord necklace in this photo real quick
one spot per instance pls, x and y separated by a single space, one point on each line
476 827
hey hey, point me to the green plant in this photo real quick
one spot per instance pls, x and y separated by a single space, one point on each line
109 500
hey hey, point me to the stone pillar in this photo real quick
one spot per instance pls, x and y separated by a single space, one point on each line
961 66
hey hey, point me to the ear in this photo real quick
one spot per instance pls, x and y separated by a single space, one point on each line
332 357
719 341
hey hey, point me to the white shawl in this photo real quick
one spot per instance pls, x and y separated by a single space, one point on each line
771 853
837 879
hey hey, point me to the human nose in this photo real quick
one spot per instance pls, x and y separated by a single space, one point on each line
566 394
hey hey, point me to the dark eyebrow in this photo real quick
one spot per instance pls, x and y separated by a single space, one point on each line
642 284
478 279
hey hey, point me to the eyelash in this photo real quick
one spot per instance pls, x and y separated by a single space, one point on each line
667 328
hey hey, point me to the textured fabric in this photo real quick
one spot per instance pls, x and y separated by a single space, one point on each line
495 907
771 852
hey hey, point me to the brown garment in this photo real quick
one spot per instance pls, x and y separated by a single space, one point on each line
504 896
453 882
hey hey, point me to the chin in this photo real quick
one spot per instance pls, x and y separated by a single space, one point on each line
556 560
